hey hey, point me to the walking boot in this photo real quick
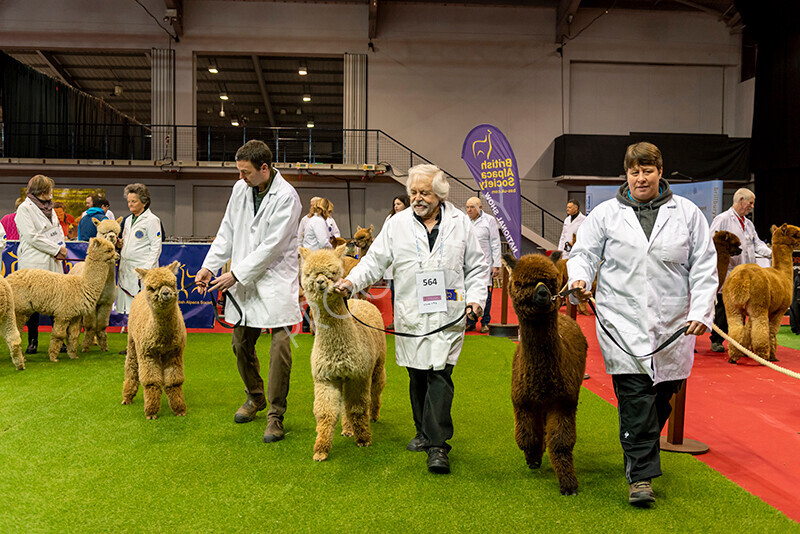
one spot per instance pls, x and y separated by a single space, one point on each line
438 461
274 431
641 493
248 411
33 346
418 444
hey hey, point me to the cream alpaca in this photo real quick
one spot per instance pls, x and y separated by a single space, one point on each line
95 321
8 326
347 360
156 339
64 297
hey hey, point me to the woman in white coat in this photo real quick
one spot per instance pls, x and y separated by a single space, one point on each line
316 234
656 272
141 244
41 240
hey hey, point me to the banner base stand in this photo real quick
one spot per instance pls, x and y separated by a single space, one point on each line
503 330
689 446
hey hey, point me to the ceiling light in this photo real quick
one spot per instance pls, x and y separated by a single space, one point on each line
302 70
283 111
222 109
212 66
223 95
299 111
118 90
256 111
310 124
234 122
306 97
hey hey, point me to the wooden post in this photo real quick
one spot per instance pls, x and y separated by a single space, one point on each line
674 440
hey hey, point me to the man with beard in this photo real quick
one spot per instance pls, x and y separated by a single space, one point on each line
438 266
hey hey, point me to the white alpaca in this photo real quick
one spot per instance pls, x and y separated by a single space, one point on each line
8 325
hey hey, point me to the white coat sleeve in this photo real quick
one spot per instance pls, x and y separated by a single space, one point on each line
761 248
279 238
222 247
2 239
563 239
494 238
477 273
33 235
335 229
371 267
301 230
588 250
702 265
154 238
319 227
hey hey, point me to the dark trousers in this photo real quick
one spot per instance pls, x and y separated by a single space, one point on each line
280 366
643 411
33 328
487 312
431 400
720 319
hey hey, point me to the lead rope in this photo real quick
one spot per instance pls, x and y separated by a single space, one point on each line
754 356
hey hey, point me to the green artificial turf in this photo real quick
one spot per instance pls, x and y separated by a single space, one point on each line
72 458
787 339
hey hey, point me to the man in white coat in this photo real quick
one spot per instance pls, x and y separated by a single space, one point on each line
258 234
735 221
439 268
488 235
657 275
571 224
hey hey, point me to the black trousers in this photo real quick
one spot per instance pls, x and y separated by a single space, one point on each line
33 328
431 400
643 411
720 319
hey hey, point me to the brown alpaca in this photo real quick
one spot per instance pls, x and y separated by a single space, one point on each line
8 325
347 360
156 339
95 321
363 239
727 245
64 297
563 276
757 297
547 371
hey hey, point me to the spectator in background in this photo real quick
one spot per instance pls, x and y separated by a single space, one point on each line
327 214
571 224
66 220
103 203
41 241
92 201
316 234
399 203
9 223
488 235
301 228
86 227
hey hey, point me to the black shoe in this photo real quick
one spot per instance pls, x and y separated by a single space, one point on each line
418 444
437 461
32 347
123 352
63 349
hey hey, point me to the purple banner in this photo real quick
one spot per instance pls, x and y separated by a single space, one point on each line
491 160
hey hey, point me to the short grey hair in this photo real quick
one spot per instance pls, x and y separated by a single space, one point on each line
440 185
141 191
743 194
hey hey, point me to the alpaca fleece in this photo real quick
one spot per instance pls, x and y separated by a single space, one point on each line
757 297
347 360
8 325
64 297
727 245
548 367
156 339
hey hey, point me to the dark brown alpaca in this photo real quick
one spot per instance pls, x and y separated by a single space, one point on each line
548 369
727 245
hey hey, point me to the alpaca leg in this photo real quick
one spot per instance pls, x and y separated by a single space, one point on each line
736 330
327 405
347 424
73 337
131 384
173 385
529 433
378 383
101 325
560 432
357 406
88 330
13 340
57 337
774 327
21 320
151 377
759 333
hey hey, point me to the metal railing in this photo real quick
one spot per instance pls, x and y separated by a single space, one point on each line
207 143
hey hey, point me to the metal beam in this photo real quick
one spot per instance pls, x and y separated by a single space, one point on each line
53 63
373 19
263 87
699 7
564 16
177 22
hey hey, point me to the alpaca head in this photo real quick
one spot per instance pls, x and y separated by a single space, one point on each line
101 250
321 270
363 238
160 285
108 229
786 234
534 281
728 243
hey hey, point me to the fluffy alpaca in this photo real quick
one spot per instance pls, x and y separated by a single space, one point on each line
95 321
156 339
547 371
8 325
363 239
757 297
727 245
347 359
64 297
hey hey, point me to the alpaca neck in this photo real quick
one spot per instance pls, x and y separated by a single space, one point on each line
782 258
166 317
332 318
723 261
540 340
95 275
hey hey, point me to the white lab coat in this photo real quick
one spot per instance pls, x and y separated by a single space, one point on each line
752 246
465 270
488 236
141 247
36 250
301 229
570 227
333 229
646 290
263 253
2 239
387 275
316 235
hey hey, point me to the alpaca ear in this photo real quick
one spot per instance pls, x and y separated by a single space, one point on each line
175 266
371 228
95 221
341 250
359 228
773 229
785 229
141 272
304 252
555 256
510 260
119 220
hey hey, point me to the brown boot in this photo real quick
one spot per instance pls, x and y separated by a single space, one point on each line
641 493
274 431
248 411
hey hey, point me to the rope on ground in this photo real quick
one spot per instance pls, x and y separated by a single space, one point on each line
755 357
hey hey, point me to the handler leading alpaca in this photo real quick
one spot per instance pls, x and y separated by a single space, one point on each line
658 274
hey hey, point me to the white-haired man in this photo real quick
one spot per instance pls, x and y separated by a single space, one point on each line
488 236
438 268
735 221
571 224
